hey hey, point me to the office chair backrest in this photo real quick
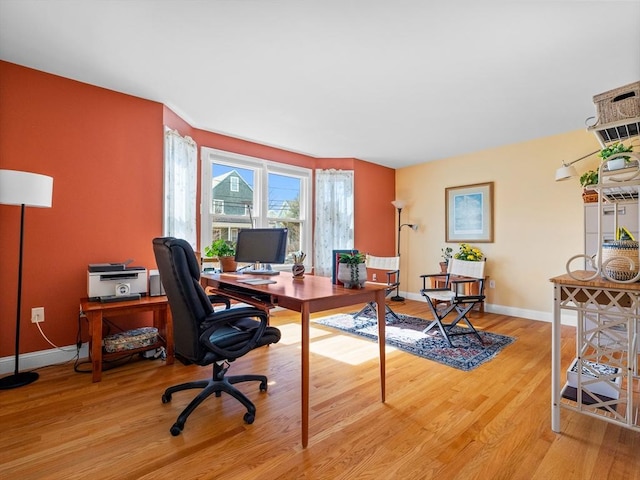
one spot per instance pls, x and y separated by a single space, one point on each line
188 301
383 263
465 268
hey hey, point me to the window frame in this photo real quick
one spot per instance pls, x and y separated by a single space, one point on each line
262 168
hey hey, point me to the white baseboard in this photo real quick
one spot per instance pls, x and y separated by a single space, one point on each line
42 358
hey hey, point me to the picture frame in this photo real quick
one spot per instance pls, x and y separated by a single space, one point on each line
469 213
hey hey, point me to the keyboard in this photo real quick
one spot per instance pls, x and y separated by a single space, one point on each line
261 272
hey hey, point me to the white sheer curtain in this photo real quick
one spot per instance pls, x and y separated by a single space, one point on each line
180 186
334 217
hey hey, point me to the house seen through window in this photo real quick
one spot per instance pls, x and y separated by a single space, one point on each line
245 192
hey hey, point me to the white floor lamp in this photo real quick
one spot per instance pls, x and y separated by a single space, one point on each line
27 190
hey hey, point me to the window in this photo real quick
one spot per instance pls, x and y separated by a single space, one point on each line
246 192
218 206
180 185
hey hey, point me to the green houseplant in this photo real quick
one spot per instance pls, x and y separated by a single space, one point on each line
446 253
614 150
352 271
225 250
587 179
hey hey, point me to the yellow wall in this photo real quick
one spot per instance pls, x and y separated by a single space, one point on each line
538 222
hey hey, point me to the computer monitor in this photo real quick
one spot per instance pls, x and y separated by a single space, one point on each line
261 246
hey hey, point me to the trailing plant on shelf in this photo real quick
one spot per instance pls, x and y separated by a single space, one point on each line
614 150
589 177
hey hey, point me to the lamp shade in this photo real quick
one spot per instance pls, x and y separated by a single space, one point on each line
399 203
25 188
565 172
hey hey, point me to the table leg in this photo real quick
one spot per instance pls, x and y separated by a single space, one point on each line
163 321
305 374
555 361
380 296
95 331
168 336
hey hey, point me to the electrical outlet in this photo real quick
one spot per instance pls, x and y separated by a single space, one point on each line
492 284
374 278
37 314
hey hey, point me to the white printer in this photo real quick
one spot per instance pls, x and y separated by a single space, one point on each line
115 281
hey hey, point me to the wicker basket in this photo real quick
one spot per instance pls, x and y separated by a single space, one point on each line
618 104
589 196
621 251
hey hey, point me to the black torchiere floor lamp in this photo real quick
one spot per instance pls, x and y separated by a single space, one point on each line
400 204
27 190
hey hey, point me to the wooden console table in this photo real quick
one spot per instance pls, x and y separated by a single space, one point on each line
96 311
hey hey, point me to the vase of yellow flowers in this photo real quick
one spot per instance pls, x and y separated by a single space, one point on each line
469 253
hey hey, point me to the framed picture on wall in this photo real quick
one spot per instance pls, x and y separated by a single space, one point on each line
469 213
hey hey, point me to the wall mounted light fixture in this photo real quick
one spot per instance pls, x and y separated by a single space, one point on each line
567 170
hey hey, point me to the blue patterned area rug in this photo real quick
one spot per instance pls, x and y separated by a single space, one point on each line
406 334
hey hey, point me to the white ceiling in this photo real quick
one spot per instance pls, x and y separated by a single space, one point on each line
394 82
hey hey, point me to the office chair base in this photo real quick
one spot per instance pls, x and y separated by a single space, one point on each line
215 386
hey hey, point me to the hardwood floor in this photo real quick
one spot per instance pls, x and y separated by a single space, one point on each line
490 423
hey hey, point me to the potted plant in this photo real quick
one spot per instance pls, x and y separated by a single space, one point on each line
225 251
352 271
588 178
446 255
611 155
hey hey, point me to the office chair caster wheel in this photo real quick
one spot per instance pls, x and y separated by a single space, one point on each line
166 397
175 430
263 386
249 418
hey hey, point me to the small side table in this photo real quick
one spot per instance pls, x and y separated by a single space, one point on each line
95 311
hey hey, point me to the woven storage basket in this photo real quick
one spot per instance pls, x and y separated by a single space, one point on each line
618 104
589 196
131 339
621 251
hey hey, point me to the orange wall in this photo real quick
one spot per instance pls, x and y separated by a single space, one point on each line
104 150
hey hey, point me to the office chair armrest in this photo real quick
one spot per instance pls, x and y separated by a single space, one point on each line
219 299
214 321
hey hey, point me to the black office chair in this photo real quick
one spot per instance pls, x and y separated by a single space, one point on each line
203 336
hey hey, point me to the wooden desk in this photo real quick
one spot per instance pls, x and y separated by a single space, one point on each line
96 311
308 295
